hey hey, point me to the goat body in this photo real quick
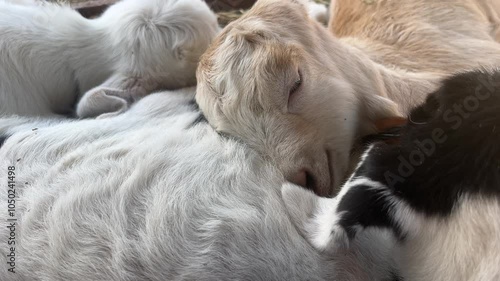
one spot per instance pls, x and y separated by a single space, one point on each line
153 194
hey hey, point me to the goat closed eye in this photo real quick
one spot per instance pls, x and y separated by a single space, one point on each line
295 87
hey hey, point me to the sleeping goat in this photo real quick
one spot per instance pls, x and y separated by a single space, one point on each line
153 194
437 189
286 86
51 56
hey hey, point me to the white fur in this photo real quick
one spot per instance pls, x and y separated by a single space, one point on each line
313 216
463 247
148 196
318 12
323 227
321 236
51 56
24 2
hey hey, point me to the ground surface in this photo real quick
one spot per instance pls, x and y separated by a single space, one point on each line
217 5
227 10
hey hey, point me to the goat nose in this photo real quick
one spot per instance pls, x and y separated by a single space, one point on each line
300 178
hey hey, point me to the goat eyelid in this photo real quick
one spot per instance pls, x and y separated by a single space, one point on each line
296 85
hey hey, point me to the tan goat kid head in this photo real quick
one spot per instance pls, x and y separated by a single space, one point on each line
280 82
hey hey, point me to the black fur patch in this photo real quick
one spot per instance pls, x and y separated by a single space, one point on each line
366 207
450 147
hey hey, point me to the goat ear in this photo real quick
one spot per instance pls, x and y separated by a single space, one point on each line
300 203
376 109
101 100
388 123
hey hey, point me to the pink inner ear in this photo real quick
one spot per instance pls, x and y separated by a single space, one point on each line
387 123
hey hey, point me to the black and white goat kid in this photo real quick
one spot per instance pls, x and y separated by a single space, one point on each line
437 189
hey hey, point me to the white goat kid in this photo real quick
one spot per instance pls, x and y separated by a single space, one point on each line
154 194
437 190
51 56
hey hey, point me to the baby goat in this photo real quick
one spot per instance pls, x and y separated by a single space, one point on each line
55 56
284 85
437 189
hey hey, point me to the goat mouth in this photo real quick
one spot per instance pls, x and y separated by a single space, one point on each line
330 172
311 183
